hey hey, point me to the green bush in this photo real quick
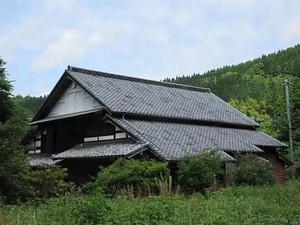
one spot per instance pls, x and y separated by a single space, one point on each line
13 171
46 182
198 172
131 175
253 170
94 209
34 185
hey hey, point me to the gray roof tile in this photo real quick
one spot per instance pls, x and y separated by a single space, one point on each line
39 159
127 95
174 140
101 149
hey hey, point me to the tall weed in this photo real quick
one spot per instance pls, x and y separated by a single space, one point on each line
236 205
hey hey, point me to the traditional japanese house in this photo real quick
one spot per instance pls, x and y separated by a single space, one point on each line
90 118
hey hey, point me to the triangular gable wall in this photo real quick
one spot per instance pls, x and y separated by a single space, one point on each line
74 99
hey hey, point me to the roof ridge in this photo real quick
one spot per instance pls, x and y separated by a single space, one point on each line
123 77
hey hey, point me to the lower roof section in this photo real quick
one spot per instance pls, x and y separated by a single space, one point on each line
41 159
172 141
102 150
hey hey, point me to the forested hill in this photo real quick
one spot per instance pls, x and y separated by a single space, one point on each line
257 89
33 104
253 78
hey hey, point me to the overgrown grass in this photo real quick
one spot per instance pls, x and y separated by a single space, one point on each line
239 205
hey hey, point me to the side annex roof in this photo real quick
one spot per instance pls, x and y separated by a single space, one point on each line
171 141
102 150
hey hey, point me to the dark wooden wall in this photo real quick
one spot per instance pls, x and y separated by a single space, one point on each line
65 134
278 165
83 170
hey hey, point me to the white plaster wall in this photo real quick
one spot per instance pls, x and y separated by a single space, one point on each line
74 99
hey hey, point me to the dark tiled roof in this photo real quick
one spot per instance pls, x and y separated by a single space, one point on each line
174 140
101 149
40 159
126 95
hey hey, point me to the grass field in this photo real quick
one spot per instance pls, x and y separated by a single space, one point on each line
240 205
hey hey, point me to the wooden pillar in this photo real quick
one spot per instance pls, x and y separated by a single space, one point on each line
49 139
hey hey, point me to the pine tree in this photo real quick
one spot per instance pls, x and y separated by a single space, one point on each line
6 103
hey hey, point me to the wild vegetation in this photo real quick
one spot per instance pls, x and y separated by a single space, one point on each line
276 204
132 176
250 170
242 205
198 172
252 204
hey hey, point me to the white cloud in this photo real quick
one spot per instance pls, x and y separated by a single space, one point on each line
25 35
291 31
72 46
148 38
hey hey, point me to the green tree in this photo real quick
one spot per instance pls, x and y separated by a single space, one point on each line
17 181
5 94
257 111
33 104
198 172
13 160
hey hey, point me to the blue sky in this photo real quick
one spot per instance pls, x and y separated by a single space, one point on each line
149 39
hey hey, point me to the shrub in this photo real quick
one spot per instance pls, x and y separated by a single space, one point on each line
94 209
131 175
198 172
48 181
253 170
13 170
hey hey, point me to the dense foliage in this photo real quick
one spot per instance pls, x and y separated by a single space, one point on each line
5 94
130 175
31 103
197 173
284 62
251 170
18 182
201 171
257 89
47 181
13 163
243 205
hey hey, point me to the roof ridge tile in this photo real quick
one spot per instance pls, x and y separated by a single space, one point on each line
141 80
